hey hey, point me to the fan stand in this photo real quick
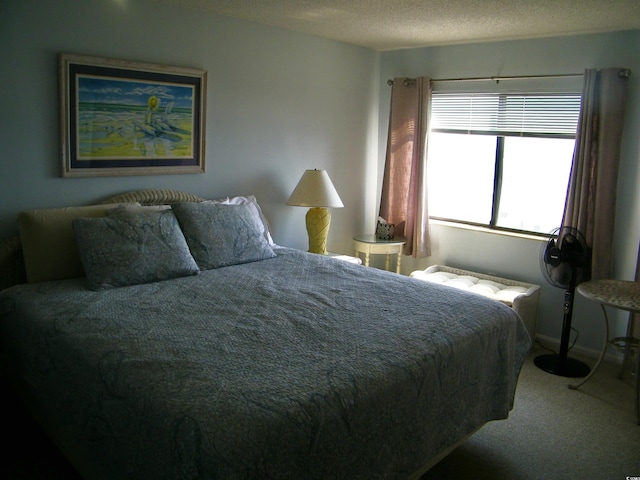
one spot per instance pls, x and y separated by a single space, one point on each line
561 364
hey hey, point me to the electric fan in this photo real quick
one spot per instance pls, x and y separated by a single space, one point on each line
565 262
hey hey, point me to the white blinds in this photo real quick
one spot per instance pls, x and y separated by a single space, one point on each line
508 114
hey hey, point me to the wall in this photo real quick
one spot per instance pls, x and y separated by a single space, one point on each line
519 257
278 102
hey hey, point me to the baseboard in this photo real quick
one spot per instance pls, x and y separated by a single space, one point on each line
554 344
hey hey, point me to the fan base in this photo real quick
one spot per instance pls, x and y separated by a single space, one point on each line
568 367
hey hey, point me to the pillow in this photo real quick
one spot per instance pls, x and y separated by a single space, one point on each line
220 235
132 249
256 211
48 244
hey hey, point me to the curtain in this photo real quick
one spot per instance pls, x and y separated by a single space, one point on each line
403 200
635 317
591 196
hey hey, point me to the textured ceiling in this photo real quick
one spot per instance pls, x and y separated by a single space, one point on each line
394 24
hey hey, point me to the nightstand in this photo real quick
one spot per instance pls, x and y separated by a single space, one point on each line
371 245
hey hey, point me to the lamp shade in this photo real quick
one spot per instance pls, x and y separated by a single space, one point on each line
315 190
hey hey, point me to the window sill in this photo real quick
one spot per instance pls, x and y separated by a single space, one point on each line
505 233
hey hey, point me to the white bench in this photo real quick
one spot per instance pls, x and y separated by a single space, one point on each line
522 297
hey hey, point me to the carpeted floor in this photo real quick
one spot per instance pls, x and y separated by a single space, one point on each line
553 433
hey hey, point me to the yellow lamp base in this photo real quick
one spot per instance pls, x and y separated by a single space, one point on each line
318 221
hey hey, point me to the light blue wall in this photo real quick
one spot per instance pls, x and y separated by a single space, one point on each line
279 102
514 257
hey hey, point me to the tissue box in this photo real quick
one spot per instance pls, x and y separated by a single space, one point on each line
385 231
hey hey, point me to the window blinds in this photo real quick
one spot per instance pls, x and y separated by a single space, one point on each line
506 114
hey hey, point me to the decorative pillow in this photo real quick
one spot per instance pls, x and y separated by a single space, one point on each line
48 244
220 235
132 249
256 211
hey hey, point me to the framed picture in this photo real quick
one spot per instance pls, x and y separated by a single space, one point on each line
125 118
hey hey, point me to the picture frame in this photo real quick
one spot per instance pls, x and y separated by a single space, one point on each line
120 117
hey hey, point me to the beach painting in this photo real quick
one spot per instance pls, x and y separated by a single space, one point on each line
130 119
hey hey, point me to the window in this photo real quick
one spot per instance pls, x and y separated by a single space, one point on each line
501 160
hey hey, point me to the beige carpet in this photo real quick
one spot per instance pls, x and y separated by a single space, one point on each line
554 433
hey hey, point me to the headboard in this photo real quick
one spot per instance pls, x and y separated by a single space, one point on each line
12 269
153 197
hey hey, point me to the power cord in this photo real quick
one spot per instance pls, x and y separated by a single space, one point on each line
577 335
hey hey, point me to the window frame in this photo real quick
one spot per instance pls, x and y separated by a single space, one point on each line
499 157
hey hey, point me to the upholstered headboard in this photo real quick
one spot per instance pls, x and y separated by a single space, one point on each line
12 268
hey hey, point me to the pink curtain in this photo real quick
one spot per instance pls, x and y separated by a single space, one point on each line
404 188
591 196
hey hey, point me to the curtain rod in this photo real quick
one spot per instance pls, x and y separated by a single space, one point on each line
624 73
493 79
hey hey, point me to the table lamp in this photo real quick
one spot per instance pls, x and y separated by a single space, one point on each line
315 190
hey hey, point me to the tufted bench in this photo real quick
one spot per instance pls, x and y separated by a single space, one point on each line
522 297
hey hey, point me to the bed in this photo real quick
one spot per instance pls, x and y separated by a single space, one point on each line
275 363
